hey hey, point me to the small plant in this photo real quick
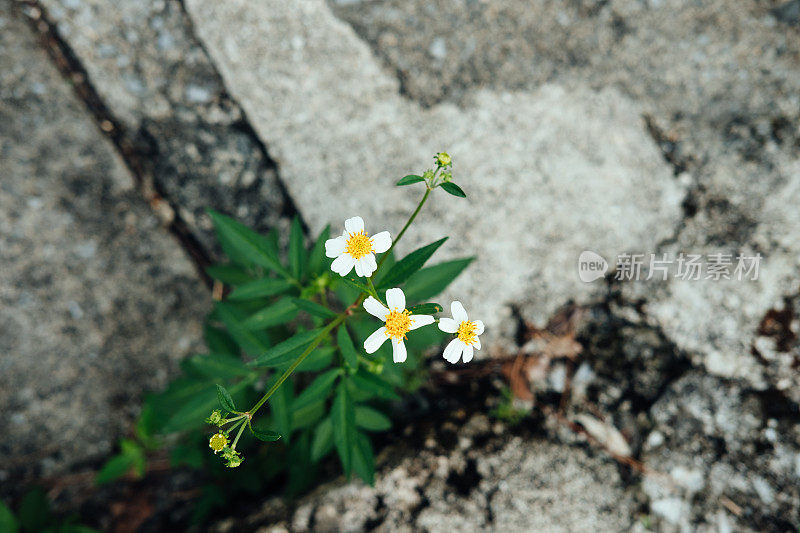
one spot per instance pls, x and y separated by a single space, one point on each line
34 516
306 337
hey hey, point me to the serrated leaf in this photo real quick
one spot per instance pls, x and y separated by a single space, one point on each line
225 399
410 179
318 389
453 189
363 458
245 243
260 288
322 443
426 309
215 366
8 522
249 341
410 264
347 348
229 274
317 261
297 249
194 409
371 420
369 382
313 308
277 354
431 281
344 427
265 435
277 313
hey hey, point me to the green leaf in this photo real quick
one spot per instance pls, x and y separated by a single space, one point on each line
307 416
114 469
265 435
408 180
425 309
250 342
410 264
355 283
453 189
260 288
318 360
229 274
215 366
313 308
317 261
280 312
369 382
34 511
371 420
280 404
278 354
133 450
195 408
245 243
344 427
8 523
363 458
297 250
219 341
318 390
345 343
431 281
323 440
225 399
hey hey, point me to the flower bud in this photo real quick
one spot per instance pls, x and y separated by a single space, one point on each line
218 442
443 159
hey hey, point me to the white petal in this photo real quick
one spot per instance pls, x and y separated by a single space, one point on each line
395 299
476 343
448 325
399 353
478 327
417 321
468 353
458 312
335 247
343 264
354 225
375 308
360 268
381 242
375 340
452 353
366 263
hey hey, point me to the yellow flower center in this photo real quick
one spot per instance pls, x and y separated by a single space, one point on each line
398 324
217 442
466 332
358 245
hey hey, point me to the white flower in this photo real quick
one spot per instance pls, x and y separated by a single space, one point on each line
466 334
398 321
355 248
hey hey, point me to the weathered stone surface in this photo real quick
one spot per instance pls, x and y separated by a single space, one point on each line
548 173
145 63
504 485
714 444
97 300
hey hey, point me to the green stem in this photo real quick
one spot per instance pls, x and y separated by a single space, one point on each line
372 288
338 320
241 428
408 223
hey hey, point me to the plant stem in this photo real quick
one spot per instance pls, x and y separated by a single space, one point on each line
241 428
408 223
